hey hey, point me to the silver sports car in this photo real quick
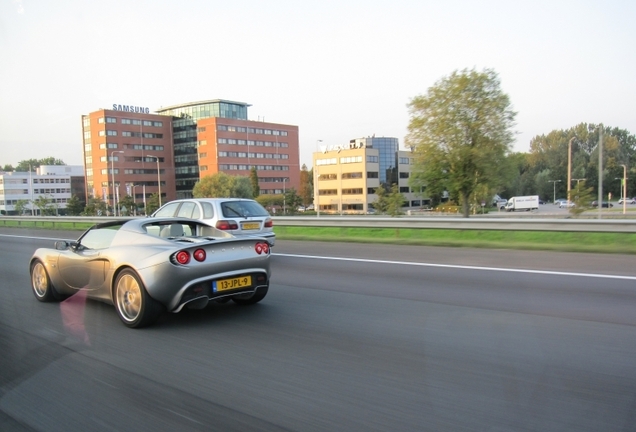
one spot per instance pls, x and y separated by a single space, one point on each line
145 266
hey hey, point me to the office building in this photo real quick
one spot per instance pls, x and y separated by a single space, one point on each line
346 176
50 185
129 151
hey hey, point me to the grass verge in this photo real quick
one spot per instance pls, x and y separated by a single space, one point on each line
536 240
591 242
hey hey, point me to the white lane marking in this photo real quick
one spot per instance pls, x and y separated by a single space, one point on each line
31 237
463 267
452 266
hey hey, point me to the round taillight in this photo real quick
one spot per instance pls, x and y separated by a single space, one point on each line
199 255
261 248
183 257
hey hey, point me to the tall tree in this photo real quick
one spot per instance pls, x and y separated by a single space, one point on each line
306 186
23 166
461 131
256 189
74 206
222 185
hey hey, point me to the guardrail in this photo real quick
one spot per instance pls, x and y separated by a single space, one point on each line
512 224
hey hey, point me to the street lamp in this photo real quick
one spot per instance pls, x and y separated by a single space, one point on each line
600 169
624 188
158 176
134 197
316 204
554 182
112 174
570 168
284 197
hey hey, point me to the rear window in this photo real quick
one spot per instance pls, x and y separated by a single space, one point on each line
243 209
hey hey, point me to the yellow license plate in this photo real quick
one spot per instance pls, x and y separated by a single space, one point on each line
251 226
233 283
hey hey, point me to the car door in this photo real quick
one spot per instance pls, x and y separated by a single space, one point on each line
84 266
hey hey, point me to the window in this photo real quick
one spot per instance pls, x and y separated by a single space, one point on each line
404 161
404 189
126 121
99 238
372 159
328 177
136 122
111 133
404 175
331 161
372 174
111 120
147 123
353 175
328 192
159 124
353 191
350 159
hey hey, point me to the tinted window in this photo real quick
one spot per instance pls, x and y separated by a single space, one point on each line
99 238
243 208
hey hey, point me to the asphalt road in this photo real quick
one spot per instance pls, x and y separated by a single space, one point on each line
350 337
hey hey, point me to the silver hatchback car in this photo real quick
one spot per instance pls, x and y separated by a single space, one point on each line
237 216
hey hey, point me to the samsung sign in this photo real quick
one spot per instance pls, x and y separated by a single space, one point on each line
131 108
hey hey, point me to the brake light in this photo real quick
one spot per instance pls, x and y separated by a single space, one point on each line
199 255
183 257
269 223
226 225
261 248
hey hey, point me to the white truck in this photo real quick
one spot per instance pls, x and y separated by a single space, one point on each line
527 203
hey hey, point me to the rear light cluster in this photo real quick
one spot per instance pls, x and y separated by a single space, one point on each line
225 225
269 223
262 248
183 257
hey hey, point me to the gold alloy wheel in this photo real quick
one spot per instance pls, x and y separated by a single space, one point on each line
129 297
39 280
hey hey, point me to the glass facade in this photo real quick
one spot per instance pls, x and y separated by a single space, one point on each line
388 148
185 117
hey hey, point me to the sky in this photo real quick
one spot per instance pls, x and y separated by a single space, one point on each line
339 70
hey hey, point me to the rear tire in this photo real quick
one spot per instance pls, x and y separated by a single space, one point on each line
253 299
41 283
134 306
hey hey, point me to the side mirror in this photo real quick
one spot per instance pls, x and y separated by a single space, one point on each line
61 245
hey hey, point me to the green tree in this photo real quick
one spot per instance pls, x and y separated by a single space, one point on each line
395 201
74 206
21 206
95 207
46 205
222 185
306 191
8 168
381 204
23 166
292 201
256 189
152 204
127 206
582 198
461 131
270 201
